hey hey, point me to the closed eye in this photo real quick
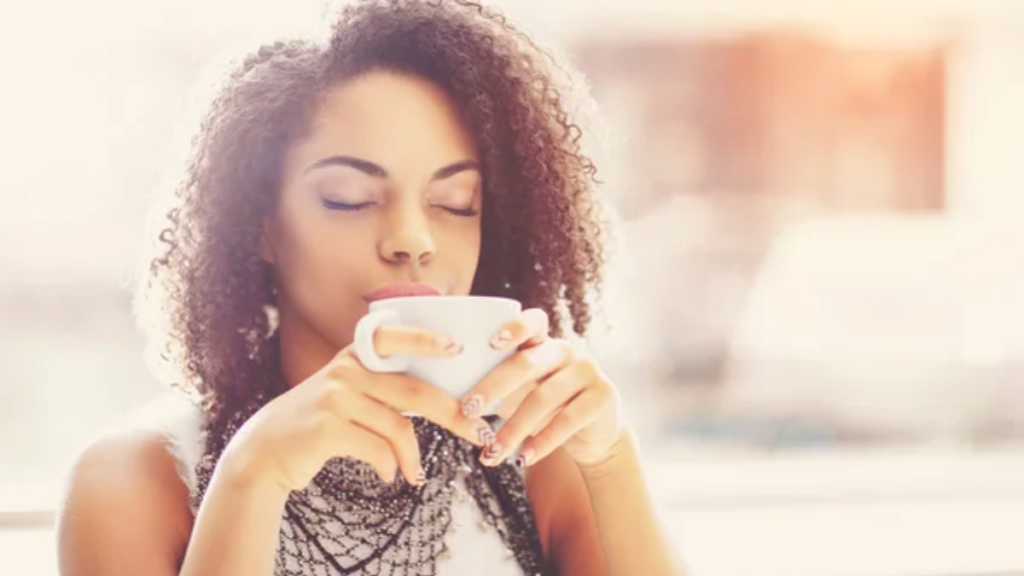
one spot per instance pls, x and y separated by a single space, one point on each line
466 212
344 206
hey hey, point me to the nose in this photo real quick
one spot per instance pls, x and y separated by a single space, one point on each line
407 237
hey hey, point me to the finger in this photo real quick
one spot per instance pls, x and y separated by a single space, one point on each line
395 429
407 394
393 340
509 404
575 416
362 444
523 368
530 327
538 409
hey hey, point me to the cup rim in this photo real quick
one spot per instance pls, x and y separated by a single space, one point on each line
446 298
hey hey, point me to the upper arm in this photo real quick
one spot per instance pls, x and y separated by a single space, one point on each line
565 517
125 511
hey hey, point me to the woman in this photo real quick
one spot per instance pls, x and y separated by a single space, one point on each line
424 144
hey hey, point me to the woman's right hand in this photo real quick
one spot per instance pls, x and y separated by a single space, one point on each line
345 410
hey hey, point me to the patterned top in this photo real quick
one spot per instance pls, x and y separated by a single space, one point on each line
467 519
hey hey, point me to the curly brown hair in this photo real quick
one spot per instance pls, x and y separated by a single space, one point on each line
542 237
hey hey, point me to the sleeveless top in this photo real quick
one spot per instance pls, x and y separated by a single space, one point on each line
479 536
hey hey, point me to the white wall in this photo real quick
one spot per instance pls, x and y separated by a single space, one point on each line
986 123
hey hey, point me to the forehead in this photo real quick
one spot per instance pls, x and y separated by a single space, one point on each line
404 123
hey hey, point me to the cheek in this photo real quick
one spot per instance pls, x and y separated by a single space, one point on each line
472 249
320 265
459 249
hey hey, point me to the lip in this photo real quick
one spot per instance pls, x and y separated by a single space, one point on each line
401 290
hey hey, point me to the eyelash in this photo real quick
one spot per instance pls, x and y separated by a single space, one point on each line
464 212
344 207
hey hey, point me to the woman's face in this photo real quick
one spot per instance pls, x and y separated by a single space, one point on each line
385 189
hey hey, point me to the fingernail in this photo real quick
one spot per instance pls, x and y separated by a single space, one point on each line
472 406
490 455
485 433
525 459
501 339
421 477
453 348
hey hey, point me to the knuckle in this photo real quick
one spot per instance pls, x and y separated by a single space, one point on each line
322 423
522 362
599 384
326 398
330 394
610 394
341 371
542 396
518 325
567 418
588 368
412 391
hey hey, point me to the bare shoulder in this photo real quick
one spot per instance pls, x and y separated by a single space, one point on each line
125 509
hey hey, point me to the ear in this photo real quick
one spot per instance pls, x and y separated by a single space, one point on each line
268 242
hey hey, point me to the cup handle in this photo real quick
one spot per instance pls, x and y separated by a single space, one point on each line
363 343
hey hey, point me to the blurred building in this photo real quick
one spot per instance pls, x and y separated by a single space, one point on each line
735 121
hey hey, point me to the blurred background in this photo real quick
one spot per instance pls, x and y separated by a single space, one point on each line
817 322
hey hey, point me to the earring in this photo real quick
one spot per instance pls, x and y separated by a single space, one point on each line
272 314
272 319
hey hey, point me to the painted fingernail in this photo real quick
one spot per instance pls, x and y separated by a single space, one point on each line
453 348
490 455
525 459
472 406
485 433
501 339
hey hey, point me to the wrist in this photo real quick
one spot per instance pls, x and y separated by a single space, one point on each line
620 455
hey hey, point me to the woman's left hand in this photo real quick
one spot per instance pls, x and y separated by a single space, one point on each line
551 396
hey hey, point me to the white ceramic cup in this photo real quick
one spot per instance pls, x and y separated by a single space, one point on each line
472 321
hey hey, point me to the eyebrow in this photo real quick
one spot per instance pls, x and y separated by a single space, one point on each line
378 171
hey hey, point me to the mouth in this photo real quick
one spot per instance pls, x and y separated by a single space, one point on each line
402 290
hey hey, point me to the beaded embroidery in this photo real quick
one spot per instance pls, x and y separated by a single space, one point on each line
347 521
